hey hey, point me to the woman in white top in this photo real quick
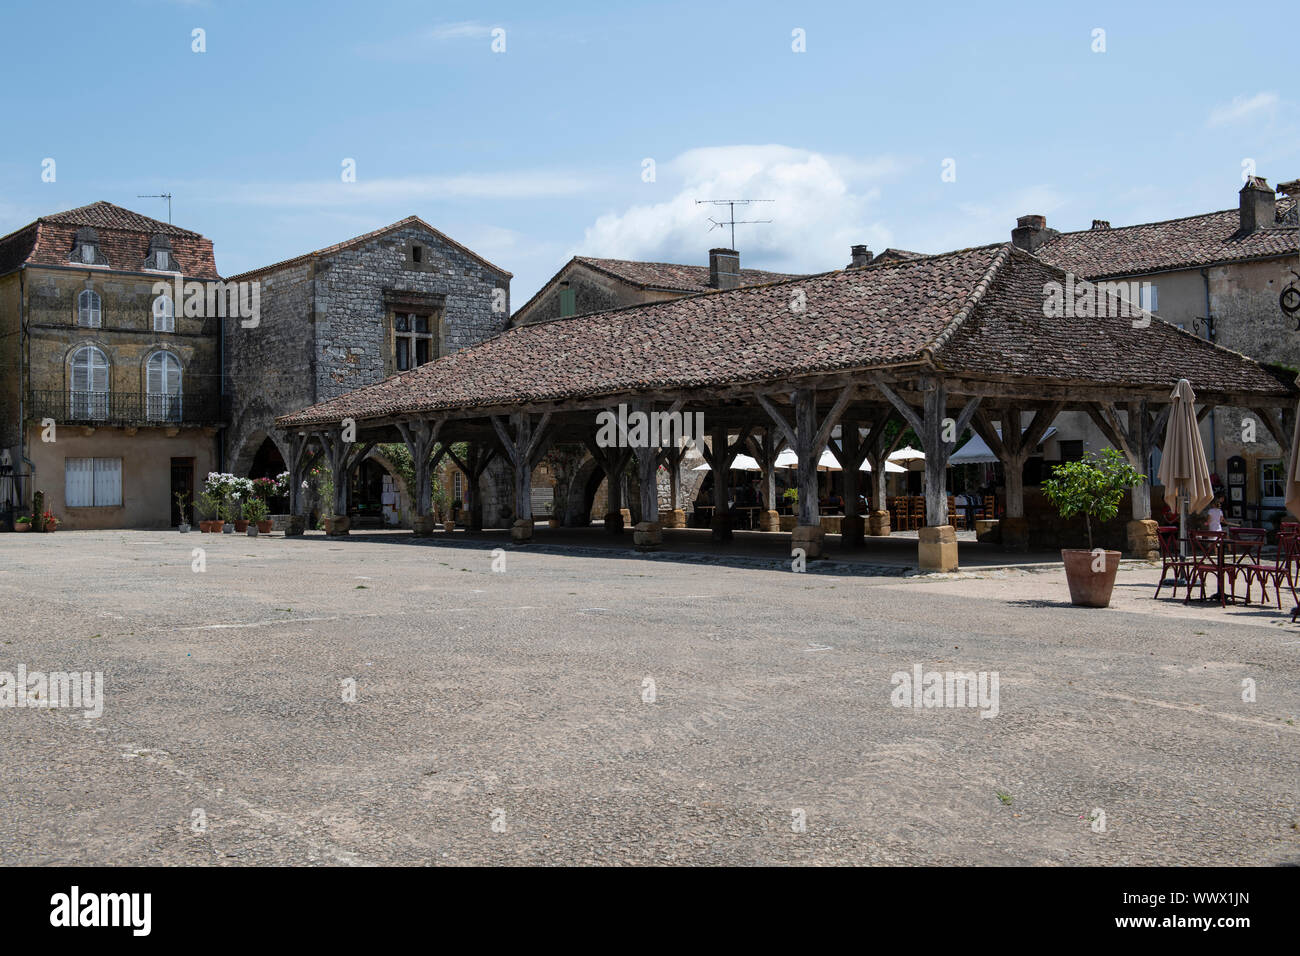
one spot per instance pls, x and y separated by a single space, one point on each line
1215 514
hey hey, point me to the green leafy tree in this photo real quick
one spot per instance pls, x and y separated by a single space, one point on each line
1093 487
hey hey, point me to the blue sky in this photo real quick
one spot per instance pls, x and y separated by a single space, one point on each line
536 153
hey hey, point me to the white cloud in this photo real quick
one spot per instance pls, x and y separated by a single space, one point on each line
1242 107
822 205
466 30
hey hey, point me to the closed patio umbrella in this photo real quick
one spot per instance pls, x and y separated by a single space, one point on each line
1292 489
1183 469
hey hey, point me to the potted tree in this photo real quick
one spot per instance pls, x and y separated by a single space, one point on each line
23 523
255 511
1093 487
209 505
182 508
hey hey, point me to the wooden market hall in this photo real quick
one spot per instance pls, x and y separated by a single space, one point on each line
938 344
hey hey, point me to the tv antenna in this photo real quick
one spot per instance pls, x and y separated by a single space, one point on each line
732 221
167 196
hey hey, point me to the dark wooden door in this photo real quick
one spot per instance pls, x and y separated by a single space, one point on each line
182 480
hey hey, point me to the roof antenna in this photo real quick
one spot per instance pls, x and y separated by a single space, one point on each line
732 221
167 196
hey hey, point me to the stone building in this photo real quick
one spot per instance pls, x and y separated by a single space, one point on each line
109 386
1219 276
349 315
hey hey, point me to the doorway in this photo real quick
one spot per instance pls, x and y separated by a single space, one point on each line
182 481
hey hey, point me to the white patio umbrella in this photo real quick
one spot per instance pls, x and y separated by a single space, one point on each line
740 463
913 458
1183 469
788 459
890 467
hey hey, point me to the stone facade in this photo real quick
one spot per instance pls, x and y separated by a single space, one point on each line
56 308
330 323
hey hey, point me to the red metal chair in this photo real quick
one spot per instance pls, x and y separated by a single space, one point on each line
1244 549
1172 562
1208 559
1282 568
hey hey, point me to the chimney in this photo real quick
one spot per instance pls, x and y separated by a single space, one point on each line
859 256
1100 225
1258 206
724 268
1031 232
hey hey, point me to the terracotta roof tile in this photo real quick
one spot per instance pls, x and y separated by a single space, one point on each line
975 310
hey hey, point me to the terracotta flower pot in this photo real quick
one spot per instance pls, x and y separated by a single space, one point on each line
24 526
449 526
241 525
1088 587
264 527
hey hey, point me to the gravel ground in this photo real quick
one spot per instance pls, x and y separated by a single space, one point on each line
500 717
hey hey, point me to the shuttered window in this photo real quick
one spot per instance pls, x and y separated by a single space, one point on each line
89 309
163 386
88 384
164 314
92 482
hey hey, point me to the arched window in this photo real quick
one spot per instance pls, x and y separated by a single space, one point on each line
88 384
89 311
164 314
163 385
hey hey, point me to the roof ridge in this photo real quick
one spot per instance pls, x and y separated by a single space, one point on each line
366 237
1154 222
100 203
969 306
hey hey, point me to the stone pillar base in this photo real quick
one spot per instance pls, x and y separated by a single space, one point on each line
614 522
337 525
812 538
1015 533
295 526
788 522
988 529
648 536
851 531
721 526
1143 539
769 521
937 548
672 519
422 525
627 517
521 532
878 524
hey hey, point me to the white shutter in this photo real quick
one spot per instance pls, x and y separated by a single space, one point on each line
108 482
78 488
81 371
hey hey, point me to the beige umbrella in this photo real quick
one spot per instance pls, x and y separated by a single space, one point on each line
1183 469
1293 471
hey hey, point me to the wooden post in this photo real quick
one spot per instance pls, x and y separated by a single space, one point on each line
301 461
1013 448
343 459
1135 438
808 437
420 437
524 445
478 457
648 533
672 460
613 462
764 451
878 449
937 542
720 453
850 453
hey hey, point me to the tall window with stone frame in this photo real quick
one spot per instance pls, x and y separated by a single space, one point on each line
415 340
88 384
90 310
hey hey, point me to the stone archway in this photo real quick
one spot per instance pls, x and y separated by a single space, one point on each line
406 504
246 453
581 493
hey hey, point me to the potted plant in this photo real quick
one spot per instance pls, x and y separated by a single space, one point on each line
182 507
209 505
49 522
1094 488
791 498
23 523
255 511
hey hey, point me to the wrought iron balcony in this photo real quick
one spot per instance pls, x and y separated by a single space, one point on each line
77 407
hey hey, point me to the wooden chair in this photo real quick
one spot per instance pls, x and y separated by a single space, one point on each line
918 511
955 516
900 513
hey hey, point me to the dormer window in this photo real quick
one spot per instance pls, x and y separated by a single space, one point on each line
417 253
160 255
86 248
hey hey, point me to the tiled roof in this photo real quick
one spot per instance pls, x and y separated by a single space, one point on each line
367 237
1186 243
892 255
975 310
123 240
668 275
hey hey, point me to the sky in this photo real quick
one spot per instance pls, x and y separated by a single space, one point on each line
531 132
